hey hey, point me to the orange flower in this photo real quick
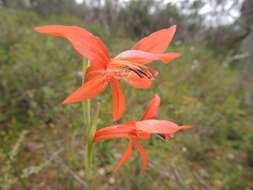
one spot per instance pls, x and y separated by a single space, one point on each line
140 130
128 65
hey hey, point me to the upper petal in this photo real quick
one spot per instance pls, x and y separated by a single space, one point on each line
156 42
145 57
152 110
159 126
84 42
118 99
88 90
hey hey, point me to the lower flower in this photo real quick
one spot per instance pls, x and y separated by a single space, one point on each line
139 130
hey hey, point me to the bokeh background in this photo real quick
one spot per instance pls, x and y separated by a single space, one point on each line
209 87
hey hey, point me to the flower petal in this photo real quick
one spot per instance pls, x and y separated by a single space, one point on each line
107 131
167 137
137 81
152 109
144 57
143 156
92 72
88 90
84 42
124 128
156 42
168 57
159 126
98 138
142 135
118 99
126 156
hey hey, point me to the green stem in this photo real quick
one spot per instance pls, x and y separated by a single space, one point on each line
90 146
90 130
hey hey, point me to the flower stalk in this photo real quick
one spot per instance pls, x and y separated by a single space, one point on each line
86 109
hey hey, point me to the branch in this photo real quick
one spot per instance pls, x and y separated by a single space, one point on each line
236 57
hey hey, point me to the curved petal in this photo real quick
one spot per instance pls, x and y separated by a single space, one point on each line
84 42
142 135
182 127
144 57
168 57
167 137
128 127
118 99
126 156
143 156
110 136
159 126
156 42
93 72
137 81
152 109
114 131
88 90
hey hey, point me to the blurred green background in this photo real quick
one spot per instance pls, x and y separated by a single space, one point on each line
209 87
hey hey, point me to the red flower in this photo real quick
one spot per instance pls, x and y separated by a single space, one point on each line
128 65
140 130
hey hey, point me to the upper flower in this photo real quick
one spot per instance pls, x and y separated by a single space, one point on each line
128 65
140 130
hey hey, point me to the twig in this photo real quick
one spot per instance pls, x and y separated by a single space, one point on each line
36 169
236 57
179 179
176 177
158 169
202 181
10 165
16 147
69 171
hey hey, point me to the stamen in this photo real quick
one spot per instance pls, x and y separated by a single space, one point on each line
145 72
136 71
141 72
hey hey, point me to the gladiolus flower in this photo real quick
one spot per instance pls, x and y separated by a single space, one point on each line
139 130
129 65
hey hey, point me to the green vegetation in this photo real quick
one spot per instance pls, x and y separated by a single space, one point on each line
42 141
